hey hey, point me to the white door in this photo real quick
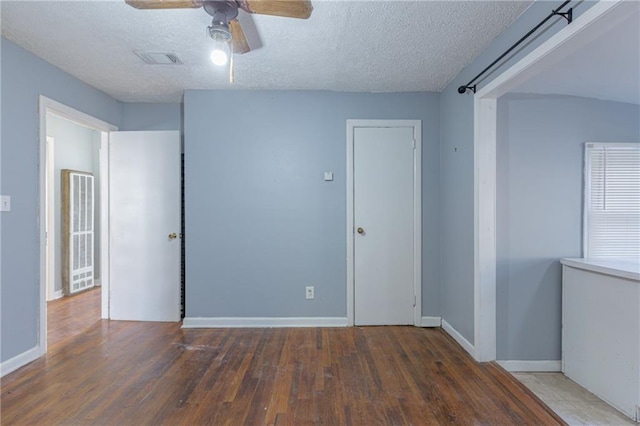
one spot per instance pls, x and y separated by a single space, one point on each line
145 220
383 179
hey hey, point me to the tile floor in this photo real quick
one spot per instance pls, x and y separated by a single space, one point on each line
573 403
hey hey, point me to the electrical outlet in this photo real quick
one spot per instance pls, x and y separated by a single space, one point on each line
309 292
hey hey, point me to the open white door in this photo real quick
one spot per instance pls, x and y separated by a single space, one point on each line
145 219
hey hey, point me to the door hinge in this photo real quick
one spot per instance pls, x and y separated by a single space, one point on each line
414 144
415 301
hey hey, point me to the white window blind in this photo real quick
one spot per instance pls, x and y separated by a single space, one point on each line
612 200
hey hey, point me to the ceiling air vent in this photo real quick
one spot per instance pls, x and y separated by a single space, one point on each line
159 58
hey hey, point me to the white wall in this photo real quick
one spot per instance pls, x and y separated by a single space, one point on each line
75 148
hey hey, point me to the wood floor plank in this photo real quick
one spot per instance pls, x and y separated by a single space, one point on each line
73 314
135 373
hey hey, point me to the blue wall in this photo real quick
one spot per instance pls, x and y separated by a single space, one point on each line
261 222
24 77
147 116
539 209
457 167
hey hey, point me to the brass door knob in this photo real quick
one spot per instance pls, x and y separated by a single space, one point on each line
173 236
360 231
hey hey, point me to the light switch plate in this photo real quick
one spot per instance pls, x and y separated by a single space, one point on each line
328 176
5 203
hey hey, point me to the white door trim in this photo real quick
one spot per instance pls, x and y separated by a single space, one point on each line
49 106
105 261
50 221
417 211
607 14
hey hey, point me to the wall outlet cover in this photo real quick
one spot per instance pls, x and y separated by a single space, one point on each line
309 292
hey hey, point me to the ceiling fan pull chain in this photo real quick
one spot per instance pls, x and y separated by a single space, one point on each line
231 69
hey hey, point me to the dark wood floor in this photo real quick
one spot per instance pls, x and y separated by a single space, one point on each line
71 316
116 372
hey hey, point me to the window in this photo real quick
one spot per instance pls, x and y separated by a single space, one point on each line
612 200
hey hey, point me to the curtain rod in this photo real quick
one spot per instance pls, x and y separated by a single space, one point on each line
568 15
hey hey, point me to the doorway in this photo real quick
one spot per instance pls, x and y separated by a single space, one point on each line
89 149
71 147
384 222
592 24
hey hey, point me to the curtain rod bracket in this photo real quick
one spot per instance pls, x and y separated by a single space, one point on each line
568 15
463 89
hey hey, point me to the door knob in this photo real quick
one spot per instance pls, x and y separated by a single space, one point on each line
360 231
173 236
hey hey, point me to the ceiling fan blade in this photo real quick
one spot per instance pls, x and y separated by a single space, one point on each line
164 4
238 39
288 8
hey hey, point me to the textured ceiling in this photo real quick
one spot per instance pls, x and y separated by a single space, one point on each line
372 45
607 68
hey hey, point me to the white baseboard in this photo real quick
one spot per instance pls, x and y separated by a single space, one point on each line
257 322
431 322
531 366
466 345
56 295
18 361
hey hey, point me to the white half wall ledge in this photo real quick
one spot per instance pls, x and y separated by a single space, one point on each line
262 322
20 360
459 338
545 366
431 322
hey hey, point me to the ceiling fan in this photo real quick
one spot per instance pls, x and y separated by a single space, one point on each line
225 29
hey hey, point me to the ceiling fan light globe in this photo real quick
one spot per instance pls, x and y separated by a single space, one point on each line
219 57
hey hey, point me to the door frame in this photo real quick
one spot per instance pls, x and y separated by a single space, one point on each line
606 14
50 223
49 106
417 212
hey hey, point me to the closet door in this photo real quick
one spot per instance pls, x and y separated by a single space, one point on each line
384 179
77 231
